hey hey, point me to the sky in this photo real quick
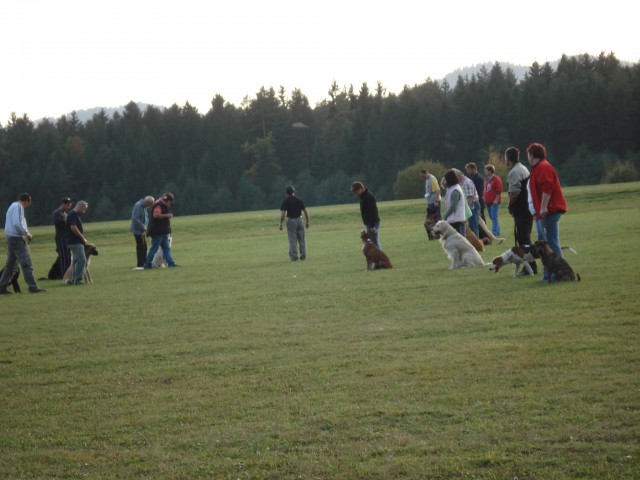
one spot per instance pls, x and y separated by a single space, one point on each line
57 56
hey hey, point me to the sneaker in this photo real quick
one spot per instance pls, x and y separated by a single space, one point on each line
138 268
174 265
5 292
37 290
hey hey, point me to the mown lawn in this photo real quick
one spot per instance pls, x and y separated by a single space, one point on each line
243 365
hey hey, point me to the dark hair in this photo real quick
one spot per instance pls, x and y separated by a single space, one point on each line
423 170
168 197
65 200
451 178
512 154
290 190
24 197
537 150
357 186
471 165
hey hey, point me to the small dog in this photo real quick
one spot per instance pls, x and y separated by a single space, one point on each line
14 278
519 255
375 257
458 249
89 250
556 266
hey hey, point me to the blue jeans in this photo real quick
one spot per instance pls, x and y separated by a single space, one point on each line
157 242
551 226
78 263
374 238
473 219
539 229
493 210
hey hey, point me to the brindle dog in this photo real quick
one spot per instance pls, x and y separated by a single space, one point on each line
557 266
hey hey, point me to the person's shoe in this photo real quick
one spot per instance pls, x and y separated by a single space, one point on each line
5 292
138 268
147 267
174 265
37 290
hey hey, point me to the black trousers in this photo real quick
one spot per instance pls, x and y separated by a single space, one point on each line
141 249
63 261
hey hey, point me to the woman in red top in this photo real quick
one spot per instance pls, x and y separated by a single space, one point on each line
546 195
492 196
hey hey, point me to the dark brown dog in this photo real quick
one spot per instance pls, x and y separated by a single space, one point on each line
14 278
375 257
557 266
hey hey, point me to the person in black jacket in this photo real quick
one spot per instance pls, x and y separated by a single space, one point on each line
368 210
159 230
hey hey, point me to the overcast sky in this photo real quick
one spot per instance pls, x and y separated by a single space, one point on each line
64 55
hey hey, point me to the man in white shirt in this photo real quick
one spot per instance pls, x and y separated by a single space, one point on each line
16 230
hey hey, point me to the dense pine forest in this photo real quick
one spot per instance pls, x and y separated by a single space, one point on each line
586 112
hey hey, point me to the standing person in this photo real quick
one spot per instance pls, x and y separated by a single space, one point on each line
517 189
368 211
293 207
478 181
493 197
432 196
454 202
75 238
473 200
15 228
547 197
159 229
139 222
62 248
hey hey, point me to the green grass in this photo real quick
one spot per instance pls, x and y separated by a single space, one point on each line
244 365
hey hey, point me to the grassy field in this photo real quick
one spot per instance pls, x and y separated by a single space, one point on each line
244 365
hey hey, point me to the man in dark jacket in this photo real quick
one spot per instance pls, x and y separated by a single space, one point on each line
159 230
368 210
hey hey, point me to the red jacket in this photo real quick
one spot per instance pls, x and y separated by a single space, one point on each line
544 179
492 189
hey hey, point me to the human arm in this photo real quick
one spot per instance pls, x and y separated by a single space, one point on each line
455 198
282 214
306 216
76 231
157 213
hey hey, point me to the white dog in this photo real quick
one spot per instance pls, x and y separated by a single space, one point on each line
459 250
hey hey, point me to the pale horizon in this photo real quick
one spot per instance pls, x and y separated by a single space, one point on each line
72 55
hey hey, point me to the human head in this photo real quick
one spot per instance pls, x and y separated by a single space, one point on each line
424 173
65 201
471 168
458 173
290 190
511 155
148 201
490 169
357 188
168 198
451 177
537 151
24 199
81 206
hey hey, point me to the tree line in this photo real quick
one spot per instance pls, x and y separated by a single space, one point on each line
586 112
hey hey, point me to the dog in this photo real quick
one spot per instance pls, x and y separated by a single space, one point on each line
158 259
89 250
520 256
473 240
490 237
375 257
556 266
14 278
458 249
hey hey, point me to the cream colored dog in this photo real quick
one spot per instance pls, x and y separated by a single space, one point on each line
458 249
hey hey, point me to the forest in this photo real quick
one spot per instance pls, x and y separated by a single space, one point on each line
586 111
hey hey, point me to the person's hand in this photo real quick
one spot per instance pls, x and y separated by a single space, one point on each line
543 213
280 227
30 237
307 225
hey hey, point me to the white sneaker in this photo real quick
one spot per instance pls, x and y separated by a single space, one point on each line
138 268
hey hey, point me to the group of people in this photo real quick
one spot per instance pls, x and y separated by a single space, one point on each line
533 196
71 241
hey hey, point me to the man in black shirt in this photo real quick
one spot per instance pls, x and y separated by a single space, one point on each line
368 211
293 207
62 247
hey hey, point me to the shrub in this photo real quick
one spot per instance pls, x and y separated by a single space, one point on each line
408 182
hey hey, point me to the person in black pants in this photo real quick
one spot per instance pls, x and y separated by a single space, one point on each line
56 272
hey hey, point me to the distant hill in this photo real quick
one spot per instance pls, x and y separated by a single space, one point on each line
451 78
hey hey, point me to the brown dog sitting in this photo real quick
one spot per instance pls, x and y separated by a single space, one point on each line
375 257
557 267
